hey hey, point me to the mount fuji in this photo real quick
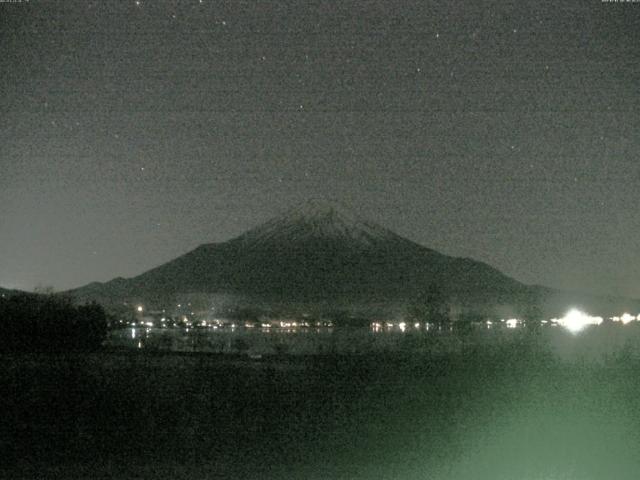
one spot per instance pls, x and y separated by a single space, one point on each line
319 252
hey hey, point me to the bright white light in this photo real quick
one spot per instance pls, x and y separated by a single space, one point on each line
403 326
512 323
575 320
149 324
626 318
139 308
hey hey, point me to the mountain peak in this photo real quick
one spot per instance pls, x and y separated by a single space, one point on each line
319 205
314 210
319 220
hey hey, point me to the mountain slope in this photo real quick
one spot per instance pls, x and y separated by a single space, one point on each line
319 252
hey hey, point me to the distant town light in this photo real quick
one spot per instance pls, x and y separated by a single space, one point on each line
139 308
626 318
575 320
512 323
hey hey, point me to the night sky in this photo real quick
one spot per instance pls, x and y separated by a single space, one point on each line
506 131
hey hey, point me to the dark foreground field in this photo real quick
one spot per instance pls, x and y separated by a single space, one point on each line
513 411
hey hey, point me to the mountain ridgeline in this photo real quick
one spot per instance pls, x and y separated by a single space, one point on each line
320 253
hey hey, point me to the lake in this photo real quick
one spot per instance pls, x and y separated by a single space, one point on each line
592 343
494 405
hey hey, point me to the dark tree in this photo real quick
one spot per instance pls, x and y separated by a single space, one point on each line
530 311
50 323
432 306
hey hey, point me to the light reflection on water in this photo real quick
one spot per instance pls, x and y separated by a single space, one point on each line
593 343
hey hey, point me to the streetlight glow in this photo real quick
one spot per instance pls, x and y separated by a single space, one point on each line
575 320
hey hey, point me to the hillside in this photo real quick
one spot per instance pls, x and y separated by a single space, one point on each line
321 252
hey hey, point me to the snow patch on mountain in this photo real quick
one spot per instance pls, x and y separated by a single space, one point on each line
320 220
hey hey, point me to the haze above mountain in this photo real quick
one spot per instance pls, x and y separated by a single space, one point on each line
322 252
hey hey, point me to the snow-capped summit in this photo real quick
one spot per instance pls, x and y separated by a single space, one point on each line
322 221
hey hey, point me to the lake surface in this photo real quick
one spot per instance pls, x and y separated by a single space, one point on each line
593 343
494 405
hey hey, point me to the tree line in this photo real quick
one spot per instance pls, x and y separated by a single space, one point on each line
36 323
